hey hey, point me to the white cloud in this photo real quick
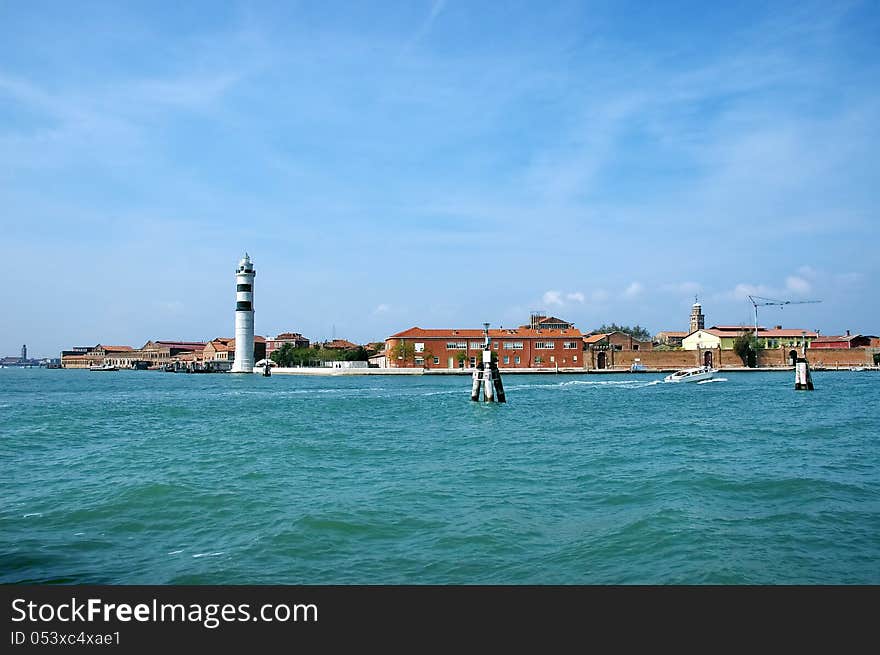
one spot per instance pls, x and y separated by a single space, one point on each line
797 284
742 291
634 290
382 309
576 296
599 296
552 298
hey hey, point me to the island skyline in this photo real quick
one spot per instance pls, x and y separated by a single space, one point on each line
377 160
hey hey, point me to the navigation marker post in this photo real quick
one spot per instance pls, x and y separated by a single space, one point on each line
803 381
486 375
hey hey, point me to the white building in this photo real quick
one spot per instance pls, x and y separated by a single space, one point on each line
244 316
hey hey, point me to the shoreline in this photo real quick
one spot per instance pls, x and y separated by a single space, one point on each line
530 371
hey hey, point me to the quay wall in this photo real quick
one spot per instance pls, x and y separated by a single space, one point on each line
769 358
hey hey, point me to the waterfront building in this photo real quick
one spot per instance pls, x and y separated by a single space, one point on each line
670 338
616 341
244 316
844 341
295 339
539 321
723 336
379 360
522 347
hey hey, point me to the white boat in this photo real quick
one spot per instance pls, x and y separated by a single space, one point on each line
857 368
103 367
697 374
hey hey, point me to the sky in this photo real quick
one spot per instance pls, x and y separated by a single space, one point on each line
434 163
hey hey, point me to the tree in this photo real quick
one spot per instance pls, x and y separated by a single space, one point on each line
746 347
461 356
636 331
358 354
403 350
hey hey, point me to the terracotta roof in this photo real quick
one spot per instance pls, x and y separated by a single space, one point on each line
114 348
739 329
595 338
842 337
673 333
762 332
340 343
183 345
289 335
416 332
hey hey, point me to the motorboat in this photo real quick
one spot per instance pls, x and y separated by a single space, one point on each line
104 367
697 374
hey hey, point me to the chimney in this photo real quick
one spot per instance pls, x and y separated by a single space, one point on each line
847 333
778 327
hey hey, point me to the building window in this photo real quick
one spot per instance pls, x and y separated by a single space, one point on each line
436 360
635 346
513 345
473 361
456 345
420 347
545 345
570 345
420 361
507 359
539 360
575 358
516 359
244 287
243 305
476 345
552 358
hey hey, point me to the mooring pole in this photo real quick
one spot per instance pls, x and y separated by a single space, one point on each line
803 381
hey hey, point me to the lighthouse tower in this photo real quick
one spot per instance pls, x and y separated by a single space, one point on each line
244 316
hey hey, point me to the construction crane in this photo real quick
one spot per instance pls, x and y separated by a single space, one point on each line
759 301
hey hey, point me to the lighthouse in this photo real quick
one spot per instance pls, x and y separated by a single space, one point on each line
244 316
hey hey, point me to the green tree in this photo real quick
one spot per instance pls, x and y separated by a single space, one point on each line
403 350
636 331
746 347
461 356
358 354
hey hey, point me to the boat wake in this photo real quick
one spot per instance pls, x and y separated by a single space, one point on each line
712 380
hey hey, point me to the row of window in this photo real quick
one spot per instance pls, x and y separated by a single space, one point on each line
508 345
420 361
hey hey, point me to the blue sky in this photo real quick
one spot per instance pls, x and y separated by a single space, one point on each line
435 164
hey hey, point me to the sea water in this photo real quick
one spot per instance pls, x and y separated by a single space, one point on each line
142 477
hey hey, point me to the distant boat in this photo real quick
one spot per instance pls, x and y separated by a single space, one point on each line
691 374
103 367
856 368
637 366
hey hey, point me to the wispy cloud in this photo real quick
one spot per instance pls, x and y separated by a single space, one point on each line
634 290
382 309
576 296
797 284
553 298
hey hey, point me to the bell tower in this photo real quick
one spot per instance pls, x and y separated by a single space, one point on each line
698 321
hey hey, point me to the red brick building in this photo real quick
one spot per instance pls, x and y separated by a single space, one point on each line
293 338
522 347
844 341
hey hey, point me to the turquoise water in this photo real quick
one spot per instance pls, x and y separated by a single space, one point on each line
153 478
